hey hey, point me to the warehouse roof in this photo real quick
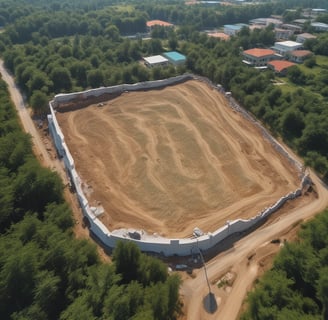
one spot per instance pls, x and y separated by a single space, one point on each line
288 43
155 59
175 56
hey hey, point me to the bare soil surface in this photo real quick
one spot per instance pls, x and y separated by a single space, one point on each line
169 160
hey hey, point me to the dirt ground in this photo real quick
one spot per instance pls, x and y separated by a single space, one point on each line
169 160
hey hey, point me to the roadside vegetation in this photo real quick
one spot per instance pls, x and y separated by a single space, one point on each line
58 46
297 285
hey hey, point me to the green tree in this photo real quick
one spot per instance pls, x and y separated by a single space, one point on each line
61 79
39 102
292 123
35 187
127 260
95 78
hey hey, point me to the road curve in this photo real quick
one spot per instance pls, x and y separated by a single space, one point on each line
194 290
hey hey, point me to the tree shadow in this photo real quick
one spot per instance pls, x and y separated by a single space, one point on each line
209 302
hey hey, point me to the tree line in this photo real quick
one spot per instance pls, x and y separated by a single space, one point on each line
45 272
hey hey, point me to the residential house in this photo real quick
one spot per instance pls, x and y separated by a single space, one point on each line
280 66
258 57
299 56
266 22
292 27
282 34
301 38
283 47
319 26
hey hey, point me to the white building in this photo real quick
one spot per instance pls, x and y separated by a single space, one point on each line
266 21
319 26
316 12
283 47
156 61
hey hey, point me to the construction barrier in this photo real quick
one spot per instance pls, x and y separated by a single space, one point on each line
155 243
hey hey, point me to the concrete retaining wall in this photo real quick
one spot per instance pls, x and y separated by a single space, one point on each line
152 243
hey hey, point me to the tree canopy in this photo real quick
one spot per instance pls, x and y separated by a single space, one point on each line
296 286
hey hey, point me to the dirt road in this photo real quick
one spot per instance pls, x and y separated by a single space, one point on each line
237 259
28 125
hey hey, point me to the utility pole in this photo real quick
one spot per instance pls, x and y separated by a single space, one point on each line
203 262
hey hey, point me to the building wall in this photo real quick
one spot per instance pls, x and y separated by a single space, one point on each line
283 50
258 61
159 245
230 31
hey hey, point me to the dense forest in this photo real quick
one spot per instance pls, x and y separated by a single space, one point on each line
61 46
45 273
297 285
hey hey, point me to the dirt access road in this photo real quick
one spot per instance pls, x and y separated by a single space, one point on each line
28 125
244 260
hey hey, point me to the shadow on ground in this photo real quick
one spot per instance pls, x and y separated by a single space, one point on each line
209 303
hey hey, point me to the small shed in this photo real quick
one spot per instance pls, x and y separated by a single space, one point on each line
175 57
156 61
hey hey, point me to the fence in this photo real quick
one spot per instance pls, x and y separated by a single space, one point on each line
153 243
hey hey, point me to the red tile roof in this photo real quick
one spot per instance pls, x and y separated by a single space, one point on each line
152 23
280 65
256 52
301 53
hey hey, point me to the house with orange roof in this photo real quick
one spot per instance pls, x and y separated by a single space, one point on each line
280 66
299 56
258 57
153 23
